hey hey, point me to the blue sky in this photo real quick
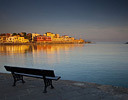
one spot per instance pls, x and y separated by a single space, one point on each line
95 20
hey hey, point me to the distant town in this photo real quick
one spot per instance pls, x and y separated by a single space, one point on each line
48 37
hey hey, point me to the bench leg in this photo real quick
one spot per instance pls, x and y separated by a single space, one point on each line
14 77
45 88
22 79
51 85
47 83
17 78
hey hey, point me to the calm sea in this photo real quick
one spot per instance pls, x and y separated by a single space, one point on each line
103 63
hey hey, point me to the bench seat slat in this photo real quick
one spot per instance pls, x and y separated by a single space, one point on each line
38 76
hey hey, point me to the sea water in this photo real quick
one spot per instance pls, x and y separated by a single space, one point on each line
102 63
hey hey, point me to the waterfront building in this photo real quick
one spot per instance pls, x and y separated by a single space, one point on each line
42 38
16 39
34 35
44 34
72 38
10 39
65 36
57 35
8 34
13 39
22 40
49 34
3 39
26 41
58 39
29 37
5 34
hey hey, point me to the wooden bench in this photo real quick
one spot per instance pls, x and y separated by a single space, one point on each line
46 75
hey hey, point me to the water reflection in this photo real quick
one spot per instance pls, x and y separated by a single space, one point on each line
98 63
13 49
48 49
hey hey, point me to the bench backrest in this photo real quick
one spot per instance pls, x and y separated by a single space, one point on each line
32 71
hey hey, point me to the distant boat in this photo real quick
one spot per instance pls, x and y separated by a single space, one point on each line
126 43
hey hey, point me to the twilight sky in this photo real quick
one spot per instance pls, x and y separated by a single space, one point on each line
95 20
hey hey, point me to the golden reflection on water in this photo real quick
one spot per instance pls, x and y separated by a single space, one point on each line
13 49
35 49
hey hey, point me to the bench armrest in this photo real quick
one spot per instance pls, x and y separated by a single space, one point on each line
53 78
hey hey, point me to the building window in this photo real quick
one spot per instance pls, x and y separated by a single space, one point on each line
4 38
